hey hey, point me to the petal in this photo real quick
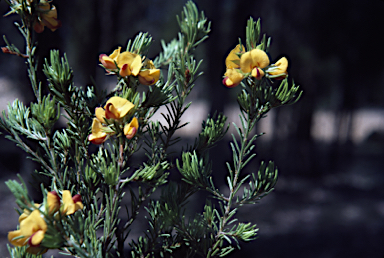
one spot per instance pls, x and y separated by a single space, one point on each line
97 128
257 73
37 237
69 205
131 128
125 71
23 216
79 206
125 58
111 112
234 76
96 140
107 62
19 241
117 107
115 53
53 201
149 77
259 58
281 67
246 62
100 114
252 59
136 65
32 224
232 60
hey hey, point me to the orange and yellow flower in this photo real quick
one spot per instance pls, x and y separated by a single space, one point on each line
32 231
149 75
116 108
98 136
279 69
241 64
253 61
109 62
130 64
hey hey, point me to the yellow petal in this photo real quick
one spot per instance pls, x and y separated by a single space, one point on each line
24 215
281 67
115 53
149 77
234 76
131 128
107 62
125 70
232 60
79 206
254 58
257 73
100 114
97 128
69 205
117 107
136 65
53 201
37 237
32 224
67 201
19 241
125 58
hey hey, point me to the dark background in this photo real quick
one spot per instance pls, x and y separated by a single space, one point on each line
329 147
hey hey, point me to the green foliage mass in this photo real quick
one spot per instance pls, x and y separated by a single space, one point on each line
105 176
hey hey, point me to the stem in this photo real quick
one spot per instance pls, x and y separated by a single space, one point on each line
228 208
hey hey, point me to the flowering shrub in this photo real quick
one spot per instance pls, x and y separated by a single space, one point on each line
81 211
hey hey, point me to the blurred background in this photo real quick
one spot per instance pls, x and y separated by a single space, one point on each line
329 147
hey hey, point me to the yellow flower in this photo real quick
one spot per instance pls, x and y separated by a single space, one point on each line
131 128
71 204
253 61
129 63
240 64
109 61
117 108
233 75
47 16
149 75
32 231
97 136
279 69
53 201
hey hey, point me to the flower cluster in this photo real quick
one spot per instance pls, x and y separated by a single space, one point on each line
39 14
130 64
33 225
254 63
115 110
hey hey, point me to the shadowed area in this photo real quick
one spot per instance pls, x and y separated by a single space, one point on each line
329 147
